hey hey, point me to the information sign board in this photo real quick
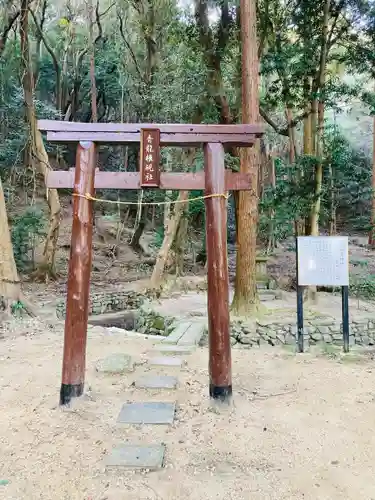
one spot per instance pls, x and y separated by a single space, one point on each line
323 261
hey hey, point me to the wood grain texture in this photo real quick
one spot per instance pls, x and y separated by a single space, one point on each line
217 275
165 128
166 139
75 336
131 180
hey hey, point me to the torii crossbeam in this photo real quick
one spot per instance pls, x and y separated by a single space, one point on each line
85 178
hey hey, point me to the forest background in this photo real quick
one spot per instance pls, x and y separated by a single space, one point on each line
308 75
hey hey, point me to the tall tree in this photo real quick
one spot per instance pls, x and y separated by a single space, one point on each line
10 14
245 299
147 21
38 156
10 286
371 239
94 93
318 122
363 60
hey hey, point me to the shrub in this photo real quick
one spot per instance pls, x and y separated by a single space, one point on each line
28 230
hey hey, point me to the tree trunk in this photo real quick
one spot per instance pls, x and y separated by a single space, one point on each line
169 237
299 225
317 114
10 287
314 125
307 146
94 105
47 267
317 132
313 227
167 195
153 217
246 299
332 217
317 108
180 242
41 37
371 240
93 89
271 230
139 224
38 152
263 160
307 134
291 135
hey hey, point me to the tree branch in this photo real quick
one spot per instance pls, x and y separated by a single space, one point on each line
43 16
336 16
205 32
45 41
224 28
98 16
98 23
213 54
107 10
129 48
12 18
282 130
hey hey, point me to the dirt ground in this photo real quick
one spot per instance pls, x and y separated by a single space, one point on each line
301 426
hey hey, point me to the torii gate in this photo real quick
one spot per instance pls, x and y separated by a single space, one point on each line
85 178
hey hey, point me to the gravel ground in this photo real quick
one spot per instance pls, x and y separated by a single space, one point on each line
301 427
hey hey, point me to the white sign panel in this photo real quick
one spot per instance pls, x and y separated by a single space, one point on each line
323 260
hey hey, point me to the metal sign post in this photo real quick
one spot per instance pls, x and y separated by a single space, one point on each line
322 261
345 316
299 307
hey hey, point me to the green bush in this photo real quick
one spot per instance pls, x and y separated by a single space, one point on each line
28 230
363 287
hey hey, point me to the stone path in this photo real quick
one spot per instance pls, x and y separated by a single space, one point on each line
186 333
191 305
173 349
165 361
156 382
136 457
182 341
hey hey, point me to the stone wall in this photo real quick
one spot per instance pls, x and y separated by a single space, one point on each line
361 332
108 302
147 320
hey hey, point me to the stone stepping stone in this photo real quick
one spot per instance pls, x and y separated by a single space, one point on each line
147 413
166 361
193 334
177 333
115 363
136 457
266 295
174 349
156 382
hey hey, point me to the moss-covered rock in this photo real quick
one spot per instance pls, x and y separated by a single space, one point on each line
152 322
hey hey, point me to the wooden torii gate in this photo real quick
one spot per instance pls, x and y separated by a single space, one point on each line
85 178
